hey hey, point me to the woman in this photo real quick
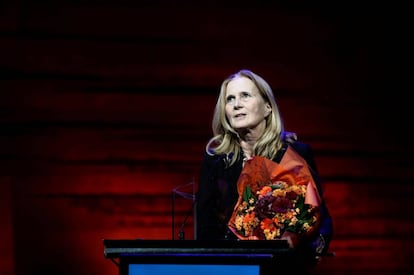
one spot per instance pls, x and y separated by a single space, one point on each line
247 127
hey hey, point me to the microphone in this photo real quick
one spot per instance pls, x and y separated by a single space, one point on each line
229 157
224 157
181 234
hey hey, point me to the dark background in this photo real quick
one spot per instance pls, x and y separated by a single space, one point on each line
106 106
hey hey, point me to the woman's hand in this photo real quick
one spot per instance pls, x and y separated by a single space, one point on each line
292 238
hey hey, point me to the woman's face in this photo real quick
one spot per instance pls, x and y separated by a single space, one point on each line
245 107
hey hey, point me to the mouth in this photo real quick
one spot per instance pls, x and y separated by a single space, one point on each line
239 115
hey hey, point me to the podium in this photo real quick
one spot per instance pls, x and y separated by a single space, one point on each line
218 257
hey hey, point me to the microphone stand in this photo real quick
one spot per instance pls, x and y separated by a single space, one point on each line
181 234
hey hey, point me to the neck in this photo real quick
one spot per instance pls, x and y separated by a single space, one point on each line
248 138
247 147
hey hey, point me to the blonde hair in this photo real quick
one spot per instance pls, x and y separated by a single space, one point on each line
225 139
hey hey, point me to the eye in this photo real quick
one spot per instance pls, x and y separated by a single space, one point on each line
230 99
245 95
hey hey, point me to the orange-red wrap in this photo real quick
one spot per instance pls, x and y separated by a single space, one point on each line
259 171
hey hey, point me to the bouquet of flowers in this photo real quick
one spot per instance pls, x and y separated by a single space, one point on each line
271 201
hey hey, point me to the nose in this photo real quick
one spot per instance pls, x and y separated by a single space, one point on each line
237 103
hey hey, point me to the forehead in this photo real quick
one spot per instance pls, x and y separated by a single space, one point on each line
240 84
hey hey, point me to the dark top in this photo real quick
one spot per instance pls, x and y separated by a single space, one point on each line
217 196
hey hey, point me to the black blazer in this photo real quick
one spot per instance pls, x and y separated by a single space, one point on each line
217 196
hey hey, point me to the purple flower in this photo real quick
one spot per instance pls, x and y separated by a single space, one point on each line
281 204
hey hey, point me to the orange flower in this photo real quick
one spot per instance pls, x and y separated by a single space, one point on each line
249 217
267 224
264 191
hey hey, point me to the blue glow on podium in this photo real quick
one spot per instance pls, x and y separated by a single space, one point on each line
191 269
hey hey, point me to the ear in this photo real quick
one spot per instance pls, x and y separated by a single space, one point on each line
268 109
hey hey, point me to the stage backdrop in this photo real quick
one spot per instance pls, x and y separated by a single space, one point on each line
106 107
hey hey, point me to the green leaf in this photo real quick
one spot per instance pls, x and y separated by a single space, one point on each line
247 194
301 202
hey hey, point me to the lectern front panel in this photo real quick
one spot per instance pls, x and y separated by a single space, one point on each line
191 269
156 257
